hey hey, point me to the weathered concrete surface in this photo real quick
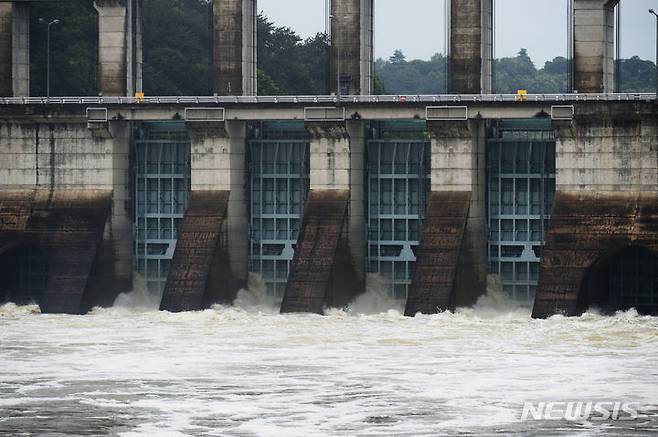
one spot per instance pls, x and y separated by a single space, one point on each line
14 49
594 46
351 46
67 156
606 181
459 166
219 163
433 286
119 46
200 272
316 255
234 53
471 30
585 229
68 226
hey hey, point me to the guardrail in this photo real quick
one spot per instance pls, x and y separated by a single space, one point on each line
439 98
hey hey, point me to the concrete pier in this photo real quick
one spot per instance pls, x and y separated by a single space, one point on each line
324 270
119 46
351 52
451 261
70 185
234 53
471 47
210 266
607 180
594 46
14 49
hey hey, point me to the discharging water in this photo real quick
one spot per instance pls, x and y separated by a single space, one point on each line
246 370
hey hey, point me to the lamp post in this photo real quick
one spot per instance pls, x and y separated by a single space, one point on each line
48 24
654 13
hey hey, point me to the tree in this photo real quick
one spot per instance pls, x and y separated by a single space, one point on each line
398 58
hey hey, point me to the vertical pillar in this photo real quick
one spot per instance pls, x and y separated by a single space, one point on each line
594 46
451 263
471 47
219 164
351 46
337 162
119 46
234 51
14 49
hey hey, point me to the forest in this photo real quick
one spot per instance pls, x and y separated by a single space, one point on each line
178 58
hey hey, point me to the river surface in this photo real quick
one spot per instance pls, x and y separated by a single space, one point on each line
248 371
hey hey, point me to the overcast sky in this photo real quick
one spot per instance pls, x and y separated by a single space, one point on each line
418 26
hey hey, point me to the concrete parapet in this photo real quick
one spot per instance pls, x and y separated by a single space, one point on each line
234 53
586 230
14 49
594 46
200 273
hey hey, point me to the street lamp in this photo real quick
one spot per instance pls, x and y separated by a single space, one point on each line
651 11
48 24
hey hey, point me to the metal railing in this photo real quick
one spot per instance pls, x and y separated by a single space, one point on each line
327 99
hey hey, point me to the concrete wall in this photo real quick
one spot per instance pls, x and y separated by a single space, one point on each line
219 163
607 150
234 52
594 46
62 157
14 49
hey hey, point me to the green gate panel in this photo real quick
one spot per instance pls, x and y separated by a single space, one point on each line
521 190
162 186
398 182
278 185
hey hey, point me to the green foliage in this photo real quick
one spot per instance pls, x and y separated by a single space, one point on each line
74 48
398 76
178 58
289 65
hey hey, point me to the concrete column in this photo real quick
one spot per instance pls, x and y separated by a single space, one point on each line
594 45
119 46
357 211
219 164
14 49
471 48
352 46
121 224
337 162
234 52
459 165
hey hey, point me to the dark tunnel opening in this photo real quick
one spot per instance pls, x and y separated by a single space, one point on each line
23 274
626 279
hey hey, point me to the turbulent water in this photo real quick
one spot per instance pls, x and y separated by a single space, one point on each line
246 370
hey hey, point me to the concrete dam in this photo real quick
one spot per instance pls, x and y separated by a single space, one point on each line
557 195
